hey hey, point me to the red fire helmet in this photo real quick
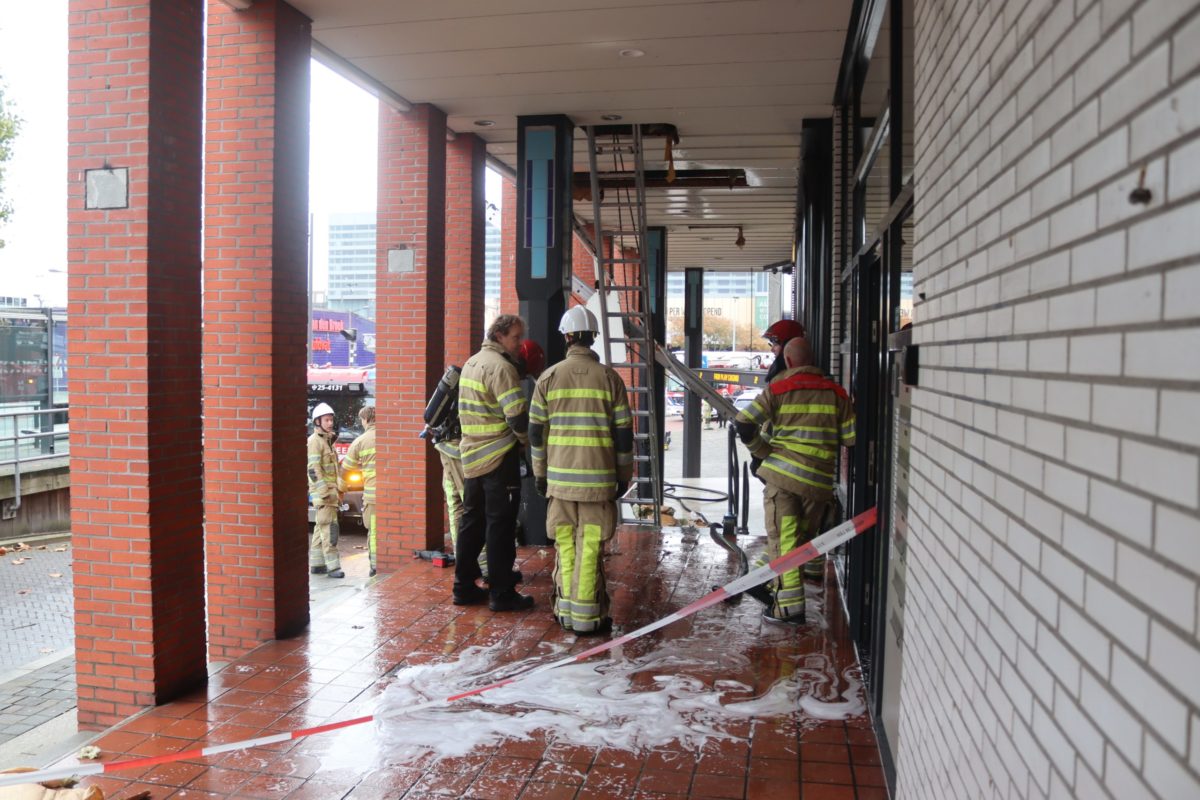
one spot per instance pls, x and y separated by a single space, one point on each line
783 331
533 357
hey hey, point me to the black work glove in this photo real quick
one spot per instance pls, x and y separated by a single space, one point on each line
541 486
622 488
755 463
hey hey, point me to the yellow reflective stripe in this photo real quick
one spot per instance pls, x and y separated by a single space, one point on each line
801 465
482 409
582 441
585 592
582 484
583 471
507 393
471 383
491 427
564 538
795 477
803 449
809 408
581 427
594 394
789 540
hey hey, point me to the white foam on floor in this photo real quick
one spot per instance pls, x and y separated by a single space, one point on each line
632 704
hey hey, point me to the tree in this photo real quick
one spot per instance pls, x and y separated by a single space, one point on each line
10 123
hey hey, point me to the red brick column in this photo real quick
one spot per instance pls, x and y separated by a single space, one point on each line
411 299
134 354
466 202
255 309
508 247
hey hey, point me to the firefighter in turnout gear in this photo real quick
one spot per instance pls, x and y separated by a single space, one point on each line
811 416
581 440
361 457
494 416
323 492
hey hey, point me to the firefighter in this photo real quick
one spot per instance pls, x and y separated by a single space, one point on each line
810 416
494 416
361 457
323 484
778 335
581 439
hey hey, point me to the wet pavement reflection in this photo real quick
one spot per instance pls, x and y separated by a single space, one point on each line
719 705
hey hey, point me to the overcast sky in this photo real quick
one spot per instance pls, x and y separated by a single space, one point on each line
33 67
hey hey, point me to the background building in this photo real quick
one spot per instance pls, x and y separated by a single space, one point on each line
352 263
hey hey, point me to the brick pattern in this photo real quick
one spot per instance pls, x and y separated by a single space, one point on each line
465 206
508 247
134 355
410 328
1051 627
255 283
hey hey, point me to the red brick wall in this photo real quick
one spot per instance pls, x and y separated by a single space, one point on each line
508 248
255 324
134 356
465 204
410 327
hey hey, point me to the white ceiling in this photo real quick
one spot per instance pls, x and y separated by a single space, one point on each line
737 78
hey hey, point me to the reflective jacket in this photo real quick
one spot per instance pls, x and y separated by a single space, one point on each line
810 416
491 408
322 469
581 429
361 457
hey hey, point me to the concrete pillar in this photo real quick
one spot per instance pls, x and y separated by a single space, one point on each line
410 331
466 203
255 324
134 138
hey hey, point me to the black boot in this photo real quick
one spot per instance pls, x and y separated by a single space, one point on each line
317 570
469 594
510 601
337 573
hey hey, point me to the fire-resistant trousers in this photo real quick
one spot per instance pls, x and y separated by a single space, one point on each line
322 547
490 505
368 513
453 486
792 520
580 531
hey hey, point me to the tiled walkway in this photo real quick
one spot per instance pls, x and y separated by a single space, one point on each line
404 626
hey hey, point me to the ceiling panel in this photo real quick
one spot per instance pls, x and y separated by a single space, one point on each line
736 77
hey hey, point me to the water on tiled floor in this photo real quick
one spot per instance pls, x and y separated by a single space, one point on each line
711 706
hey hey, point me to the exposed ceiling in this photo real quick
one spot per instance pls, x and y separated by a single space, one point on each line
736 77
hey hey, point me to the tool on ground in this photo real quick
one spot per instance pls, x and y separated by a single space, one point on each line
436 557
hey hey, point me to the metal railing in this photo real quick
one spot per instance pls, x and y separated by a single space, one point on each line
28 436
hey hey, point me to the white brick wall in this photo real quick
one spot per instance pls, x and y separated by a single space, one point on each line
1052 626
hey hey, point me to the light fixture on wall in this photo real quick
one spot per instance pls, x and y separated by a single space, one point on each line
741 240
611 117
484 123
631 52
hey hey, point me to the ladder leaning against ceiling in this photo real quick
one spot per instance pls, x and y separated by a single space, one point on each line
615 155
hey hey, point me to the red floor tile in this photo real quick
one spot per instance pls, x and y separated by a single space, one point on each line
341 666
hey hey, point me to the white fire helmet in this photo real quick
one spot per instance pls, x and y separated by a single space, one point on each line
320 410
578 320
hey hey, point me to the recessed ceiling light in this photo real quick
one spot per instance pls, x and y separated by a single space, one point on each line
610 117
484 123
631 52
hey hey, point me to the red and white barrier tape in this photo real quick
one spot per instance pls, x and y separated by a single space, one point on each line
819 546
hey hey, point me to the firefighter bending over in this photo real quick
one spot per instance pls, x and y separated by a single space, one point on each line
361 457
323 491
581 440
810 417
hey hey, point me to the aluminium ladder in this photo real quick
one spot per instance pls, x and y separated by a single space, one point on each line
615 154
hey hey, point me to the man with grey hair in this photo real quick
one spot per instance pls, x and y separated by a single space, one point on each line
494 416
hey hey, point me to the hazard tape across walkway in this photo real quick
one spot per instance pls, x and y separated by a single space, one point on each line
819 546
